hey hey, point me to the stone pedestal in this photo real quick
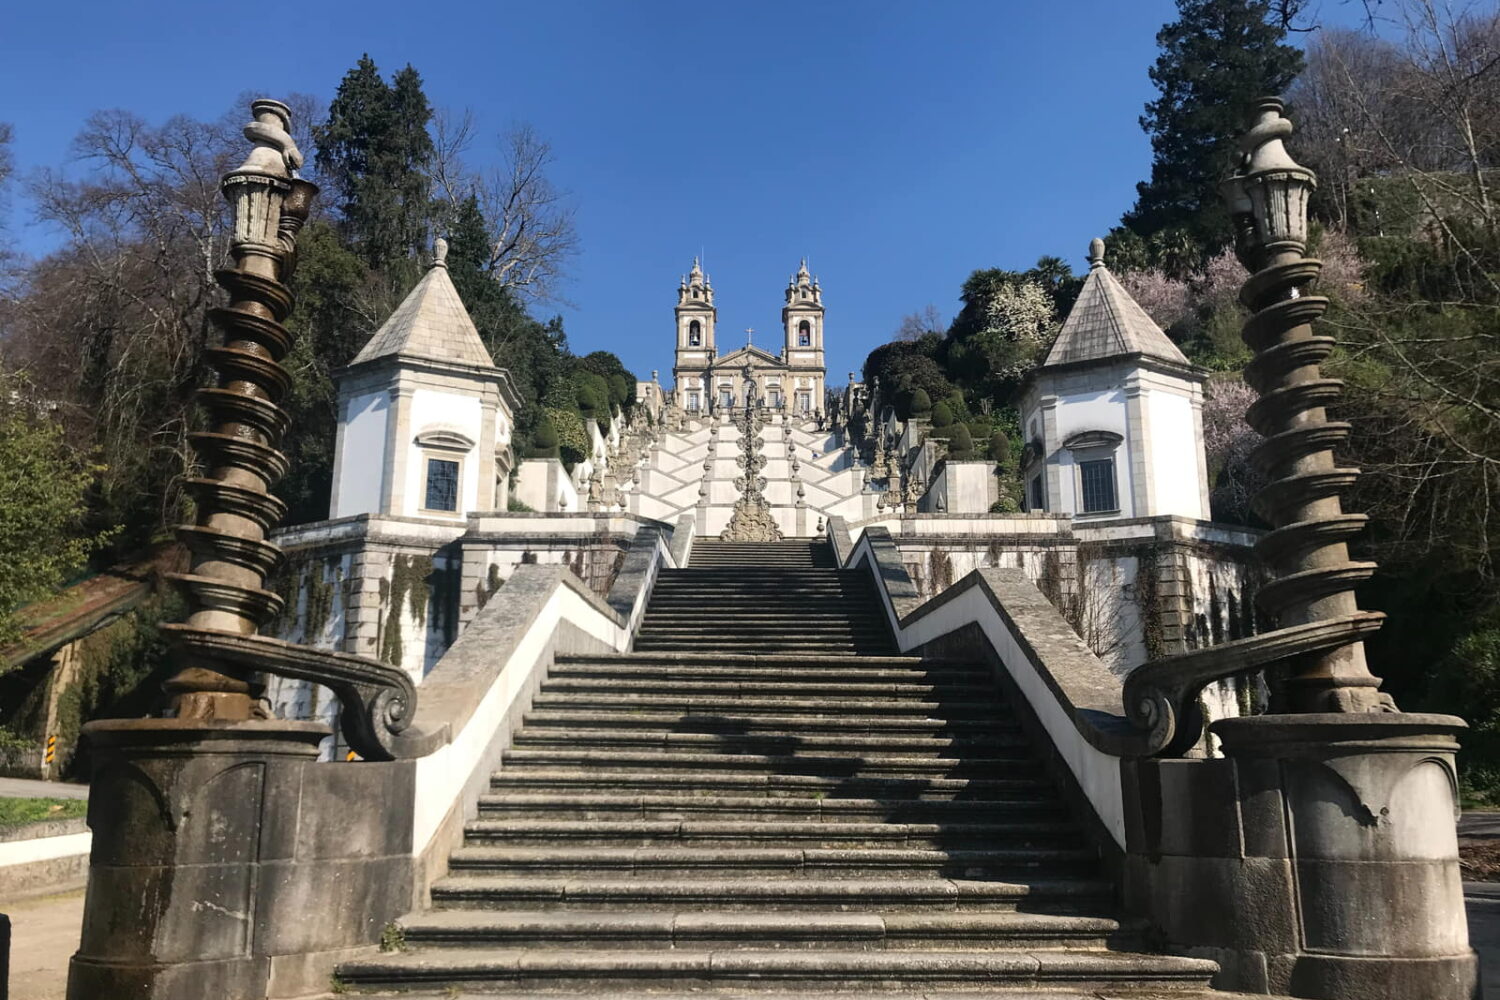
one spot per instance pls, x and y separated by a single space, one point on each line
188 820
1363 808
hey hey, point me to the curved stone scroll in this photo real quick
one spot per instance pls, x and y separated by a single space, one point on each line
379 700
1161 697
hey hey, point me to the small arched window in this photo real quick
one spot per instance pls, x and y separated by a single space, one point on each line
695 334
804 334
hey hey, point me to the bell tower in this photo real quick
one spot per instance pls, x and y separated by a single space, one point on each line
802 321
695 319
695 337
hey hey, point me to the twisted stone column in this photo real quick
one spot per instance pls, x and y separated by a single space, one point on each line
1344 806
230 555
1313 576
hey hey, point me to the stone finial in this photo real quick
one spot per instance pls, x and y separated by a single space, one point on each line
439 252
1096 253
275 152
1262 144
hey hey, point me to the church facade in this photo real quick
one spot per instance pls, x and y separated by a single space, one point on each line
705 381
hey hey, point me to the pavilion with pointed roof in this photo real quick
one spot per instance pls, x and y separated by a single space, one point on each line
1113 417
425 416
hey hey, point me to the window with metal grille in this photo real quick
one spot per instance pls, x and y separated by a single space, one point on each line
1097 479
442 484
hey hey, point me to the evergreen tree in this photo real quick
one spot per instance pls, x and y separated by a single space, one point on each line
43 503
1216 58
374 151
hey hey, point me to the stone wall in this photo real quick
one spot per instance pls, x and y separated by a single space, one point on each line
1133 589
402 589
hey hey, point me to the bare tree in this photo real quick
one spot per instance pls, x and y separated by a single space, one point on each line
7 134
915 326
1414 128
113 324
532 234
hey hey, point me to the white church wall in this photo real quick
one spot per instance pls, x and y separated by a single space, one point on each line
1175 448
543 485
1090 411
433 409
963 487
362 454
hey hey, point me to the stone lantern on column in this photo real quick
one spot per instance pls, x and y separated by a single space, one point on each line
1356 800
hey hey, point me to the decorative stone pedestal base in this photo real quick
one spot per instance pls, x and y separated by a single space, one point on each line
1366 807
190 823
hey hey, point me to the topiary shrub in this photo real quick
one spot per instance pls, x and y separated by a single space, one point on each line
572 435
921 403
961 444
942 416
544 439
1000 448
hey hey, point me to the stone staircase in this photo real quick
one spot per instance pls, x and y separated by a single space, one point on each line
763 798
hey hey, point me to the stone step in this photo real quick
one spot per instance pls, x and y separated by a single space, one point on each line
647 643
756 969
650 669
727 602
740 707
730 632
734 594
791 611
782 578
708 561
667 763
769 687
749 929
759 723
661 833
999 992
1053 895
1018 792
755 804
739 582
772 862
728 659
772 743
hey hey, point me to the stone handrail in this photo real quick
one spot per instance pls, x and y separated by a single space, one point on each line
648 552
487 678
377 699
683 534
1093 717
838 538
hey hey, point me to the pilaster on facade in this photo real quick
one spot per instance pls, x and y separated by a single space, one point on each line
1051 442
489 405
1138 448
398 436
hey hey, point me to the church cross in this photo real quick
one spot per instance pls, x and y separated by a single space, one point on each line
749 335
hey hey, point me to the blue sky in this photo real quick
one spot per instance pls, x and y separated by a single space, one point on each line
898 146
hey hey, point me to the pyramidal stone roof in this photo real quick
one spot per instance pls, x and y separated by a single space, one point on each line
1106 323
431 323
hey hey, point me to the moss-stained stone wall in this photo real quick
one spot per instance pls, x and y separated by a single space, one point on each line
402 589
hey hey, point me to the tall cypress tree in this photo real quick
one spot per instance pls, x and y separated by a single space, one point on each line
1216 58
375 152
